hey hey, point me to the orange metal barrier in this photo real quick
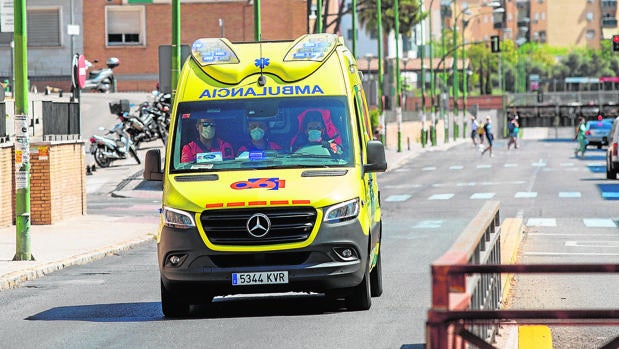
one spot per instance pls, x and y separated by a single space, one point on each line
466 290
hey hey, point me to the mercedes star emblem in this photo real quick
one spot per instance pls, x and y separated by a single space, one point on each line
258 225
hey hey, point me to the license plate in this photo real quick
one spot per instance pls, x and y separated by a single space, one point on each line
264 278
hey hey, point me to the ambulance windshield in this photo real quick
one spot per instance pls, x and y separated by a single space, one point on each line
262 133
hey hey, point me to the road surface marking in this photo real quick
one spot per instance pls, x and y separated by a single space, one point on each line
482 196
569 194
395 198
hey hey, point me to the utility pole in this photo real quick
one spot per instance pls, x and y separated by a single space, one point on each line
354 28
257 24
22 142
319 18
398 87
455 71
176 44
379 29
424 133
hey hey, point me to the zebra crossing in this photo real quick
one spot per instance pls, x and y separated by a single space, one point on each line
424 224
490 195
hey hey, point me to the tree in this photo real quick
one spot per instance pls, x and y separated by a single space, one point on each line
408 12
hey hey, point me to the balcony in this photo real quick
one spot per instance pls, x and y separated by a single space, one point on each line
609 22
609 5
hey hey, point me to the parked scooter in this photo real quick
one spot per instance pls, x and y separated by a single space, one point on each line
113 146
102 80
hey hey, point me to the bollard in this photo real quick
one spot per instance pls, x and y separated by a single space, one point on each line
408 142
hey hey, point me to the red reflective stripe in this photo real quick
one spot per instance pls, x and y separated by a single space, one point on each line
256 203
218 205
300 202
235 204
279 202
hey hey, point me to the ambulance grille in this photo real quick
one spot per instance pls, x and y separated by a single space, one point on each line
229 227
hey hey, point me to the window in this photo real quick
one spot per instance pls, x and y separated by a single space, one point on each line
589 16
590 34
125 25
43 27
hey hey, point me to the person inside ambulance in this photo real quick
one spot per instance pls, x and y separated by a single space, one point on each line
315 133
208 143
257 139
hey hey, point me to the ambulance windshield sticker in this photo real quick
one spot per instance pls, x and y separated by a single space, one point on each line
209 157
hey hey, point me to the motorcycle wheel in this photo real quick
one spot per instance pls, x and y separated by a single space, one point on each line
101 159
163 134
134 154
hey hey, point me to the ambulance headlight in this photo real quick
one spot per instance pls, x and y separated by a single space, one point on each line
177 219
343 211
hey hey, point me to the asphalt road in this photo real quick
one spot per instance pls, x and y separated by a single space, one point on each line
115 302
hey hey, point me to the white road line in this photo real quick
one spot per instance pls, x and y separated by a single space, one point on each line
456 167
428 224
430 168
484 166
396 198
598 244
569 254
599 223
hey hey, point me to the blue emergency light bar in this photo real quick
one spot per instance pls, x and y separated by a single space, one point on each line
212 51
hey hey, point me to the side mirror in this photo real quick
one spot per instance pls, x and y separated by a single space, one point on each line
377 161
152 165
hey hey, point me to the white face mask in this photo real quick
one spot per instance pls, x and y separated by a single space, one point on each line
256 134
314 135
208 132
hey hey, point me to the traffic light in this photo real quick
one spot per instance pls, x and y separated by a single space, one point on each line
495 44
615 43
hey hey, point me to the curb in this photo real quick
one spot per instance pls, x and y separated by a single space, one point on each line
14 279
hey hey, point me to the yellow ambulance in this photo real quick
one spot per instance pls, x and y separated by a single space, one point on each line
269 178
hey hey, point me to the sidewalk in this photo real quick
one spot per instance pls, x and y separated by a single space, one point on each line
86 238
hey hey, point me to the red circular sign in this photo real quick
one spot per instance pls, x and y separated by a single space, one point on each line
81 71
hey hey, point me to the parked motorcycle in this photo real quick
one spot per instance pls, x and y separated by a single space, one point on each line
102 80
146 125
114 145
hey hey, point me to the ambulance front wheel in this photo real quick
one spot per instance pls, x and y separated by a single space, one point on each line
360 298
172 305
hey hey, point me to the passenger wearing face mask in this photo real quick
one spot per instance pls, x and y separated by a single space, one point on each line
208 143
314 132
258 138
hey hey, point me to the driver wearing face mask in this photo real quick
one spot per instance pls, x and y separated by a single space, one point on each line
208 143
258 139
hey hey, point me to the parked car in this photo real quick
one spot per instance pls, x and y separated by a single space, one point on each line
612 153
597 132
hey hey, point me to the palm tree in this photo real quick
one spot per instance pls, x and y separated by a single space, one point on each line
409 15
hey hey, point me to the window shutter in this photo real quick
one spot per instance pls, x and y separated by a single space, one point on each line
43 27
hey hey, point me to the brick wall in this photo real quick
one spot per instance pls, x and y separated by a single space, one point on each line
57 182
7 194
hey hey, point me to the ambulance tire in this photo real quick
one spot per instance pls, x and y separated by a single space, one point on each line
376 278
360 298
172 305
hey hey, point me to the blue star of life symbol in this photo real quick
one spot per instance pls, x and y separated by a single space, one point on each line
262 62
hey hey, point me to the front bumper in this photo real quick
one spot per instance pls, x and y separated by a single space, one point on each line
315 268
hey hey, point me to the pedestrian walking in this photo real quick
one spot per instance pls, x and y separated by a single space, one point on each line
513 130
474 126
489 136
581 130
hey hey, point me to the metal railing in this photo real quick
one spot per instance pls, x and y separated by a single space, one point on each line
466 290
